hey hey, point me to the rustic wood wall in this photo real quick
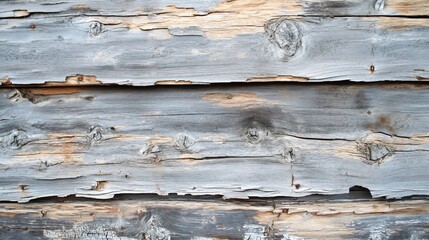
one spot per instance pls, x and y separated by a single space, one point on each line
276 119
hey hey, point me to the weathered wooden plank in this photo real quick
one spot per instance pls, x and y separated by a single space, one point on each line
204 219
238 42
234 141
23 8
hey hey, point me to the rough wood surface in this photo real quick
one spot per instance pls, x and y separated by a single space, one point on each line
184 42
23 8
226 161
234 141
210 219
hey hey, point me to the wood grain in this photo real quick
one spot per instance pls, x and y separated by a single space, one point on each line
234 141
289 156
23 8
199 42
214 219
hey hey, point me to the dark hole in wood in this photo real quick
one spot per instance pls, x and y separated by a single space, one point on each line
359 192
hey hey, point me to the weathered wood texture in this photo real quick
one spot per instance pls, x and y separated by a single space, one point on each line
235 141
183 42
23 8
147 220
272 161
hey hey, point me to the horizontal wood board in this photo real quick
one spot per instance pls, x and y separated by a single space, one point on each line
211 219
234 141
200 42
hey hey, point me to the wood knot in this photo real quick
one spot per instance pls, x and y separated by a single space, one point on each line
151 152
256 125
379 5
184 142
95 134
15 139
255 135
23 187
374 152
96 28
289 154
285 35
154 149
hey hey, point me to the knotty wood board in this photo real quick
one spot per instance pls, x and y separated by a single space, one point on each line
228 140
214 219
200 42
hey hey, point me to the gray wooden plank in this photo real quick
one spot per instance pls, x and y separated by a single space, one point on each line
22 8
181 46
210 219
234 141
